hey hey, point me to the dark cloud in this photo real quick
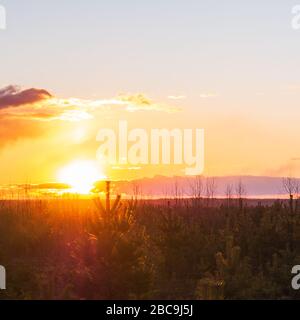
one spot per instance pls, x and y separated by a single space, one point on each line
13 96
46 186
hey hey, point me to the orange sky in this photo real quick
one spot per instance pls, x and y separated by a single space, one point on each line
39 138
230 68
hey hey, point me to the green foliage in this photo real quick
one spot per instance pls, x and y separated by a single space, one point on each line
76 249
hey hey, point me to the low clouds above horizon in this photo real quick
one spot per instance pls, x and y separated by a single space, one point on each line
39 104
22 111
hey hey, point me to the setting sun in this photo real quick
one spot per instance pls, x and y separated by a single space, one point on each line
81 175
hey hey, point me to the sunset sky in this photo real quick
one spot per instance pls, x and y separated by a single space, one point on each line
69 68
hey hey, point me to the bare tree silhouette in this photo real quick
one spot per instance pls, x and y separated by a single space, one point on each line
229 194
240 193
211 188
291 187
196 190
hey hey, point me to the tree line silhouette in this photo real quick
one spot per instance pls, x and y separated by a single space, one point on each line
177 248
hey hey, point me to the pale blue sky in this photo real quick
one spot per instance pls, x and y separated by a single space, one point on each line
160 47
243 53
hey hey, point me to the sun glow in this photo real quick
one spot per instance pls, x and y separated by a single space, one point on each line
81 175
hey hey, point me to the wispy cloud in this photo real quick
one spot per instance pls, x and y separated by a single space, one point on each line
293 87
290 89
182 97
40 105
141 102
290 168
204 95
25 112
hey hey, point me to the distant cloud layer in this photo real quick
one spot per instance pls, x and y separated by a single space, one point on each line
207 95
138 102
25 112
13 96
39 105
177 97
